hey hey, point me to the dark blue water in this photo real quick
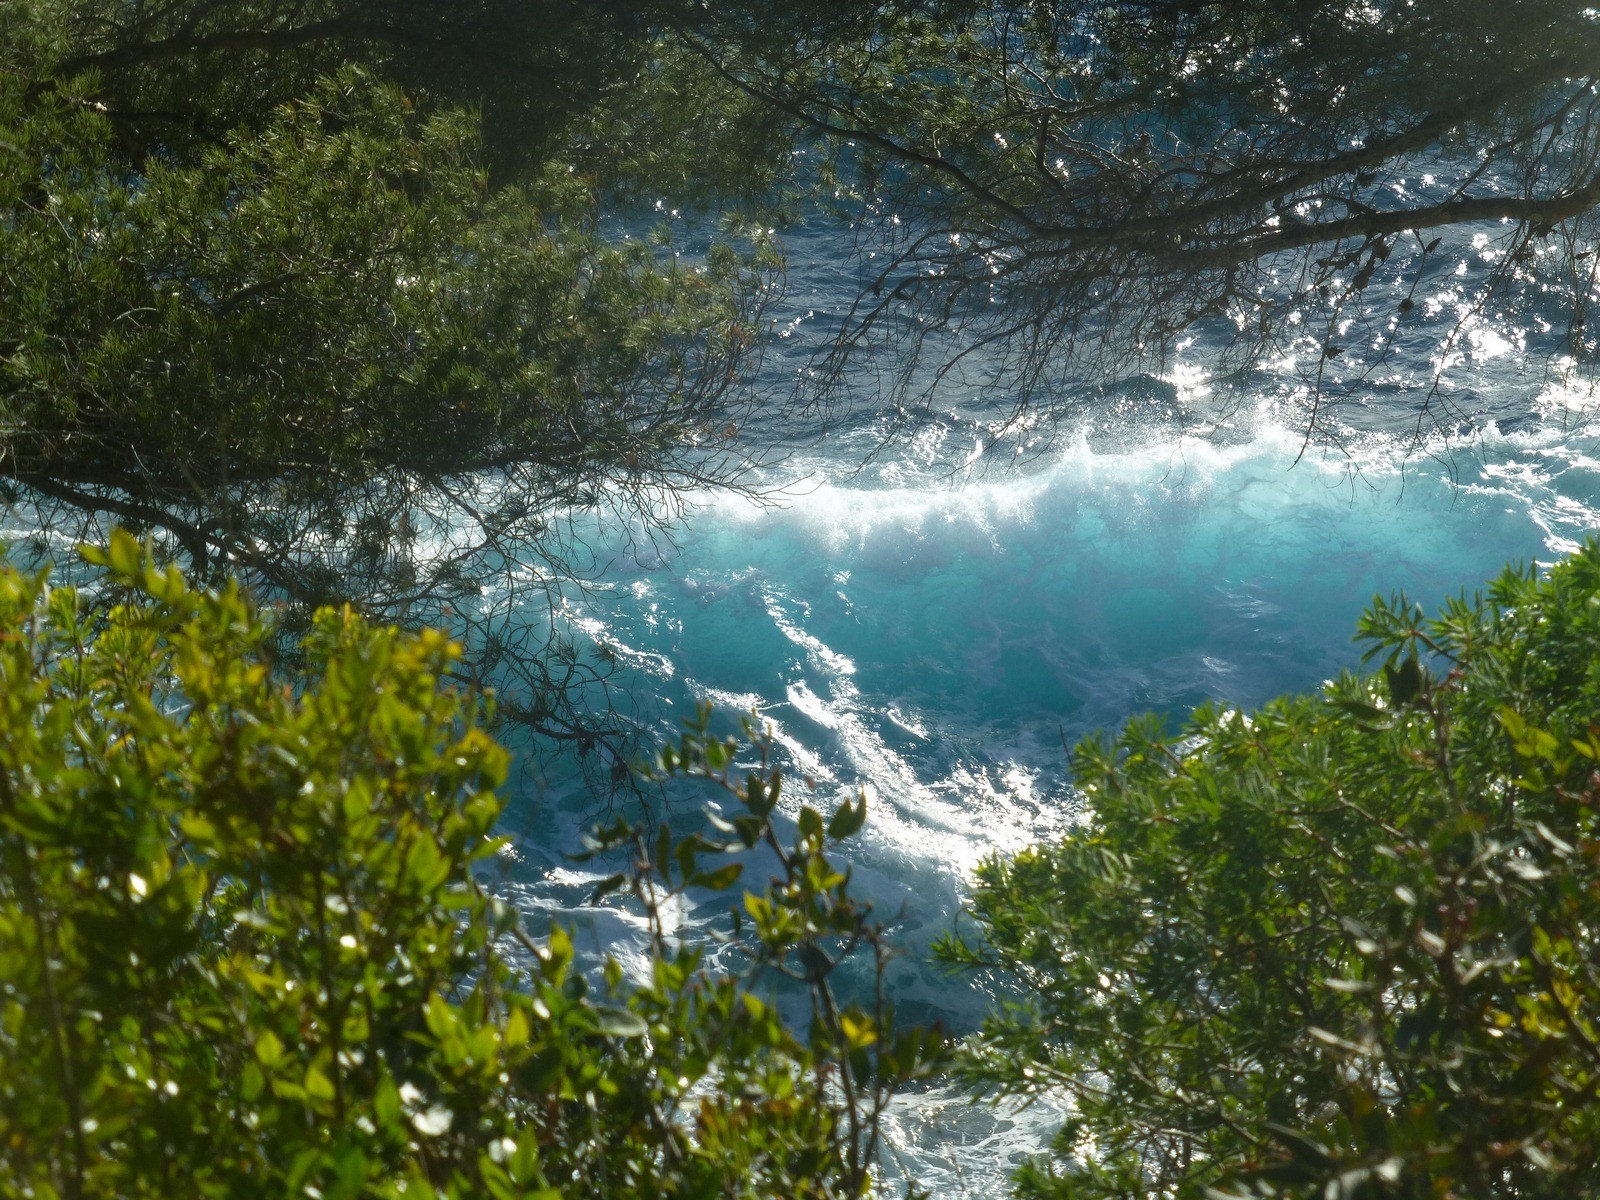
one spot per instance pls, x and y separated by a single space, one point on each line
932 618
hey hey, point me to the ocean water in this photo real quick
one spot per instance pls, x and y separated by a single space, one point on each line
935 620
934 611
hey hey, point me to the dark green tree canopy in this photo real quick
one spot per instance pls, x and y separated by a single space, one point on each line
203 68
603 86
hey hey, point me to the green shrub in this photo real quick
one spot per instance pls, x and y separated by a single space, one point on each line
1348 945
243 951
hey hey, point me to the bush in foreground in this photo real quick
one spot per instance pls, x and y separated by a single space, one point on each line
243 950
1345 946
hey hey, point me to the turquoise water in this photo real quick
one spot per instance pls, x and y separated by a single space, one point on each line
935 625
934 616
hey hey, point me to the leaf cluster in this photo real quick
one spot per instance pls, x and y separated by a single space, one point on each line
244 948
1343 946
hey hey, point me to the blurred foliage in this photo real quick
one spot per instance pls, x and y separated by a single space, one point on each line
245 950
1343 946
546 77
